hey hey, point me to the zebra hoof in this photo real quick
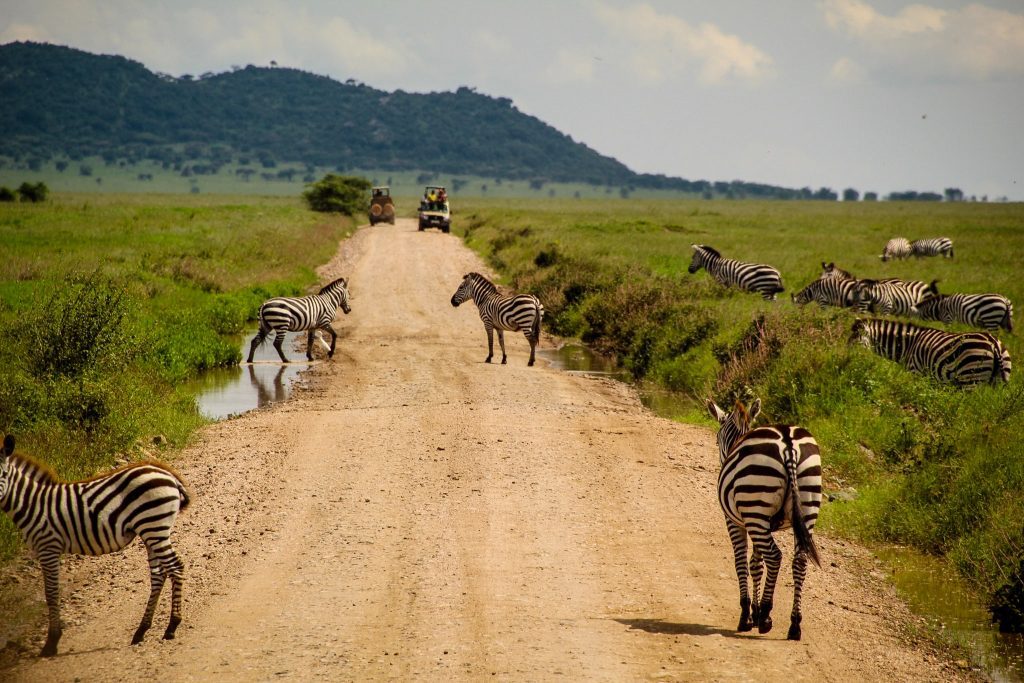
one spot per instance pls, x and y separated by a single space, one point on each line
745 625
504 361
530 364
765 625
794 632
49 650
139 636
487 360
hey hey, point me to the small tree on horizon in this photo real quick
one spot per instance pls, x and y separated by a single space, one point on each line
337 194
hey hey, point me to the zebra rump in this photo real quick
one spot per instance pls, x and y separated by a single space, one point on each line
750 277
987 311
897 247
934 246
961 359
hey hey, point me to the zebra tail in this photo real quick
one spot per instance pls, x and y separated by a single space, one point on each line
803 537
183 492
535 331
1007 323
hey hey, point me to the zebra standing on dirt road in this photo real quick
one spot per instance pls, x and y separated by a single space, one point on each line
961 359
294 314
897 247
934 246
94 517
513 312
770 480
987 311
750 277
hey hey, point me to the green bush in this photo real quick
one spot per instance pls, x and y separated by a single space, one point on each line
338 194
33 192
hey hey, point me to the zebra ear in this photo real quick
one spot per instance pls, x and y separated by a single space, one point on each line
754 410
716 412
8 445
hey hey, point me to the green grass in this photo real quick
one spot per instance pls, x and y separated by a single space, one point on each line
110 302
937 468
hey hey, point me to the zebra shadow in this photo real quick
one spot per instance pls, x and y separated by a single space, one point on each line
662 627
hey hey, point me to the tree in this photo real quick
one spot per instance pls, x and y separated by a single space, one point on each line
337 194
871 196
33 192
850 195
954 194
7 194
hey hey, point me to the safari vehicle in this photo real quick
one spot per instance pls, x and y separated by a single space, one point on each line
382 207
434 209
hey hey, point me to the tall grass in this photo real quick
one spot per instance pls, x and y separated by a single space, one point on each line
935 467
109 302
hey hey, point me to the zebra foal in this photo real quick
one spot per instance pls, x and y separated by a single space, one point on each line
750 277
293 314
770 480
961 359
95 516
513 312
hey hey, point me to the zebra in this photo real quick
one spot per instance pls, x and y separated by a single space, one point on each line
893 296
934 246
96 516
292 314
961 359
770 480
513 312
750 277
987 311
830 291
897 247
831 271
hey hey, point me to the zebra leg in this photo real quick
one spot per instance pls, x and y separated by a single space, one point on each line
490 343
799 571
309 345
175 570
756 573
765 545
501 341
738 536
156 584
533 347
278 341
50 562
334 340
256 341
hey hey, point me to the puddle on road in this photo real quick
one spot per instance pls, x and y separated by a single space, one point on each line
223 392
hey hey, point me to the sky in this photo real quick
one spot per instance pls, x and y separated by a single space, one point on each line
875 95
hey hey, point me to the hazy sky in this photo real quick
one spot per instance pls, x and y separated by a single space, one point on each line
872 94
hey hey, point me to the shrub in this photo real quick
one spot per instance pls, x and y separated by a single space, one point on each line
338 194
33 192
8 195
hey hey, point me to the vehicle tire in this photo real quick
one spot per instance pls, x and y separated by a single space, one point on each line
375 210
445 228
372 222
392 221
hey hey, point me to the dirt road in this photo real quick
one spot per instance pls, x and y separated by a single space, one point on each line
415 514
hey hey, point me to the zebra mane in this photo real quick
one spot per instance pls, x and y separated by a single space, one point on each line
709 250
477 277
36 470
329 287
148 462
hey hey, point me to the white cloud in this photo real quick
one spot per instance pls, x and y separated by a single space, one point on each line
847 72
570 66
976 42
663 45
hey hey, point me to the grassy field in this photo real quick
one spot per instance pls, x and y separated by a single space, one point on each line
109 302
929 466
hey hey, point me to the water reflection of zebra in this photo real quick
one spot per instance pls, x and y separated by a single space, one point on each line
94 517
934 246
987 311
750 277
770 480
499 312
957 358
310 313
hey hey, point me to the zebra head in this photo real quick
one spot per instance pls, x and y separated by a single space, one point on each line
860 333
5 464
804 296
338 293
831 271
732 425
473 285
702 255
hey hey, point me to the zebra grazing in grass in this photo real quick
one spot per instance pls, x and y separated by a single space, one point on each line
893 296
935 246
94 517
292 314
831 291
987 311
513 312
897 247
750 277
961 359
770 480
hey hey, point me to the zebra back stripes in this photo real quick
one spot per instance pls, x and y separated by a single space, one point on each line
961 359
770 480
293 314
893 296
987 311
831 291
898 248
750 277
514 312
933 246
96 516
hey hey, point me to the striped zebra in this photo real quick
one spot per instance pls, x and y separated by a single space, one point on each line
770 480
293 314
513 312
750 277
831 291
94 517
934 246
893 296
831 271
961 359
987 311
897 247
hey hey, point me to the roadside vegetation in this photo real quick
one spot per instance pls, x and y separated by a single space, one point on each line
108 303
914 463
